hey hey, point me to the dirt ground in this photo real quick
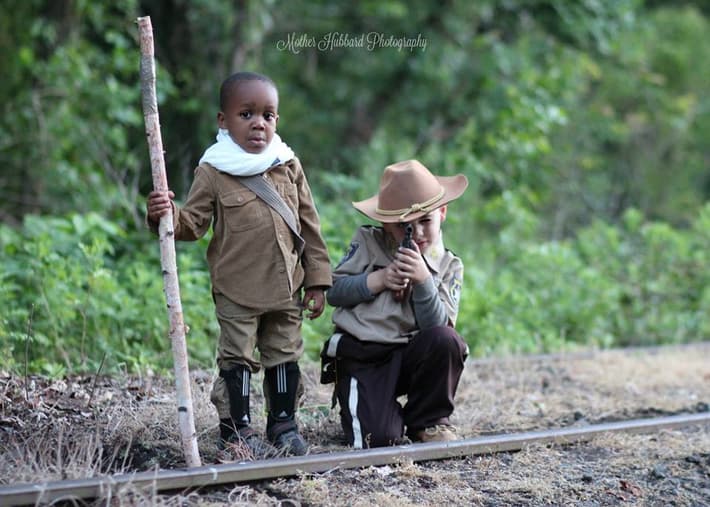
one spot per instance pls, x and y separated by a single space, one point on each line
85 426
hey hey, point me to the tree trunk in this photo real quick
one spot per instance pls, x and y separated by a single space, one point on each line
167 247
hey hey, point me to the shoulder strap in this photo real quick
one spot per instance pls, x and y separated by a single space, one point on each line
266 191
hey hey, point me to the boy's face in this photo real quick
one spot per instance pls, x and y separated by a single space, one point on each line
425 229
251 115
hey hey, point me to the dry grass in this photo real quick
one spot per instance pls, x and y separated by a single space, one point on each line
60 430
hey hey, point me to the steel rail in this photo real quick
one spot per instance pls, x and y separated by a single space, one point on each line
211 475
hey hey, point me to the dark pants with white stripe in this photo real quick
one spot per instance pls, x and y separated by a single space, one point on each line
371 376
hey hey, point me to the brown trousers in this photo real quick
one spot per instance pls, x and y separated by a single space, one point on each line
371 376
274 332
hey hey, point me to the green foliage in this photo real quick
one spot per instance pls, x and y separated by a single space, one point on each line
637 132
72 124
638 283
70 300
662 276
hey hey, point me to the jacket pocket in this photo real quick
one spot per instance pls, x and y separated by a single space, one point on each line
242 210
289 192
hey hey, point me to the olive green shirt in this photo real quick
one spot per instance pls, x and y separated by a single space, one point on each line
252 256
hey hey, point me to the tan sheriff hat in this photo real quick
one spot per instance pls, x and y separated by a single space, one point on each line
408 190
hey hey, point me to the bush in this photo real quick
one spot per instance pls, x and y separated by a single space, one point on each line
640 283
71 303
78 292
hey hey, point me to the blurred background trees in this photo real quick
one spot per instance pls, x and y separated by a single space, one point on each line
582 125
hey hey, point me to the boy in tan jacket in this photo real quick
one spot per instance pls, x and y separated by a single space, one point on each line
266 247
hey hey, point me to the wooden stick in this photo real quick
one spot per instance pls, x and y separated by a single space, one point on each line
167 246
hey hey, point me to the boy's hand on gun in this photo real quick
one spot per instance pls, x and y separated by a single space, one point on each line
409 267
314 303
392 278
158 204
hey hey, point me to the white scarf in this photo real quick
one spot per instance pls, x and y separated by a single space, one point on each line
228 157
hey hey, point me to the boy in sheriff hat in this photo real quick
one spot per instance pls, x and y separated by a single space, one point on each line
395 311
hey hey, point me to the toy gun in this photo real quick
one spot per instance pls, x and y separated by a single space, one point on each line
402 295
407 241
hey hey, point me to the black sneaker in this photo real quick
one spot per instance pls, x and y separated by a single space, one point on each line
291 443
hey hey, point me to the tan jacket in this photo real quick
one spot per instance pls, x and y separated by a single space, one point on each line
251 255
384 319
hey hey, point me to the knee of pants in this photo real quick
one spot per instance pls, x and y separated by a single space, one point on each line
446 338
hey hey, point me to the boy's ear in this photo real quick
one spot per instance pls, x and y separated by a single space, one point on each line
442 211
220 120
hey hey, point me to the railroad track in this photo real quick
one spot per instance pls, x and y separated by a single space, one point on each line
212 475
